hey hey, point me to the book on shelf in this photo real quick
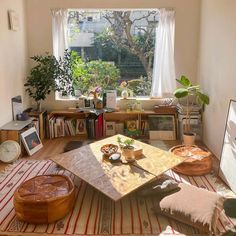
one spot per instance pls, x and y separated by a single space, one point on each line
120 127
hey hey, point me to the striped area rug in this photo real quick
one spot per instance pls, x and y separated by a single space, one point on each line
93 214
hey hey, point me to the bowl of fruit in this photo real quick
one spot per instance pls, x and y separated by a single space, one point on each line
109 149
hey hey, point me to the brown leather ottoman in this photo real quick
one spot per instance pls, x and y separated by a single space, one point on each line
44 199
199 160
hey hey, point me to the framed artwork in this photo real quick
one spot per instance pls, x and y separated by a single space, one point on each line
110 128
162 127
81 126
31 141
13 20
228 153
17 106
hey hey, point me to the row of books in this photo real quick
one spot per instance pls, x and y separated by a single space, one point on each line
60 126
94 125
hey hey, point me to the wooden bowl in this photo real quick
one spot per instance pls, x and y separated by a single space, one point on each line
109 149
44 199
198 163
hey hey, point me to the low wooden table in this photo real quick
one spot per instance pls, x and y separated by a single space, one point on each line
116 179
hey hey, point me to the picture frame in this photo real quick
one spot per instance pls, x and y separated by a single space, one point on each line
110 128
14 23
162 127
31 141
228 155
81 126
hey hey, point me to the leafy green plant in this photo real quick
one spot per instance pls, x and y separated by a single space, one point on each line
42 78
187 90
125 143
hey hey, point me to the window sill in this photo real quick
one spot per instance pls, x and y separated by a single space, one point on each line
144 98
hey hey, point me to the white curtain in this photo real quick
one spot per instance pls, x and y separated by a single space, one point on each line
163 79
59 32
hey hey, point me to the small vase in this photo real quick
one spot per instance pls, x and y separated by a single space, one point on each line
124 94
128 153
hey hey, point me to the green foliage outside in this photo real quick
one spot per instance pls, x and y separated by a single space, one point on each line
87 75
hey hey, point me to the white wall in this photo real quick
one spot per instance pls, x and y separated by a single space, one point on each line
13 58
187 30
217 66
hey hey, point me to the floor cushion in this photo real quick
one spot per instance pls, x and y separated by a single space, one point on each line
44 199
192 205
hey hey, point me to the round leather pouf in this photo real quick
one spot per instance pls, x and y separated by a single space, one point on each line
44 199
199 160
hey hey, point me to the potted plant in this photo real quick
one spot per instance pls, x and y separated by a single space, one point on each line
42 79
127 148
188 91
50 75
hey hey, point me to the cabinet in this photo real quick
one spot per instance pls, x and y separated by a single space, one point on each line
13 130
141 118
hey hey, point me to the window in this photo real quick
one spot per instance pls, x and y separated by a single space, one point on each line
110 47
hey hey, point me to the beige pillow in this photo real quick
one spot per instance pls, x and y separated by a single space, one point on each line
192 205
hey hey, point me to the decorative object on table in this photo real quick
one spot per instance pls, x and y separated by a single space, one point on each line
109 149
14 23
162 127
17 106
199 160
44 199
31 141
127 148
9 151
115 157
227 160
193 95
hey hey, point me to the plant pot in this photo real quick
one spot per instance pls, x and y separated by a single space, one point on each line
189 138
128 153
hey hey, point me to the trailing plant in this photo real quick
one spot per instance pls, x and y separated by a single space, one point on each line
187 90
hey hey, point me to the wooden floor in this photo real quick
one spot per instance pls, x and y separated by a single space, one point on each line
56 146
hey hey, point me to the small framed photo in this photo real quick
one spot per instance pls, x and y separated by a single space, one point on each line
31 141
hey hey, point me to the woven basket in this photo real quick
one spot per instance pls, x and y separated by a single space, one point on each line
44 199
165 109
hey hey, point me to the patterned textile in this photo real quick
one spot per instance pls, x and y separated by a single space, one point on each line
94 213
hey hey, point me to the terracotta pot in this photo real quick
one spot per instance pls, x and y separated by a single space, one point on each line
128 153
189 138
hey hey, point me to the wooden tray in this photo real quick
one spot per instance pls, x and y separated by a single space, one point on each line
44 199
193 166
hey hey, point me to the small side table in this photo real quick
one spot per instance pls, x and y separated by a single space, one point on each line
198 163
